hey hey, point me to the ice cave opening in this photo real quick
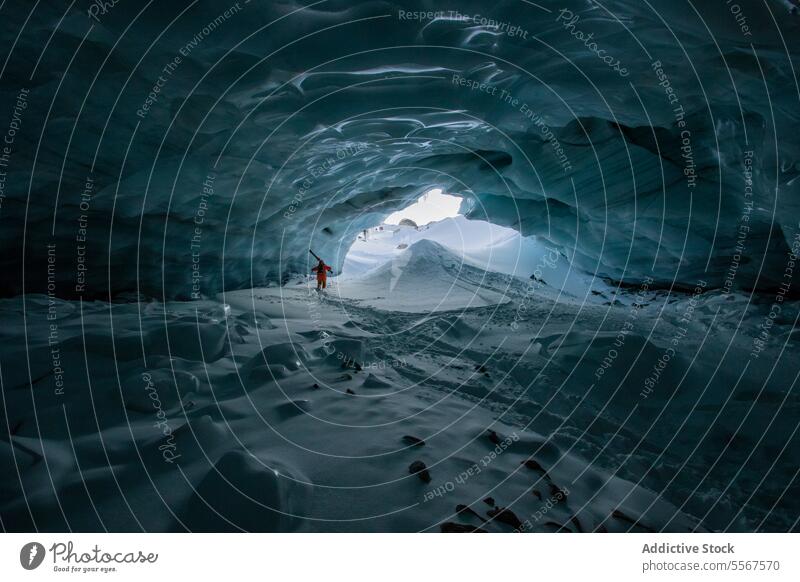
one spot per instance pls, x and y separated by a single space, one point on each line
380 243
459 242
432 206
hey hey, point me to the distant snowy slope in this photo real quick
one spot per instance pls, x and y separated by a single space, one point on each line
425 277
483 245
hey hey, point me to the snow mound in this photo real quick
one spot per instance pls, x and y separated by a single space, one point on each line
425 278
241 493
483 245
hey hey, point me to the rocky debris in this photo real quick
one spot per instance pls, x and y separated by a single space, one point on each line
557 493
489 501
413 441
618 514
493 437
419 469
467 510
534 466
348 391
372 381
538 279
505 516
350 364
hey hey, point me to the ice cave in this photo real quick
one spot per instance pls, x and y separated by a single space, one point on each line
559 243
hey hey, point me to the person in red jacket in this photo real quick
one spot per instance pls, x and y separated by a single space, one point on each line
322 274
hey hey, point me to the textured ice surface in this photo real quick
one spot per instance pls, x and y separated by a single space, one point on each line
309 124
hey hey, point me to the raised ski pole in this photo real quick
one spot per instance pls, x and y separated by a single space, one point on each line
315 254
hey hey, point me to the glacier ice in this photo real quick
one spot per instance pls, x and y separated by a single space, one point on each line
279 127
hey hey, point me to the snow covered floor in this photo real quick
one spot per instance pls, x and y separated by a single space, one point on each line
450 400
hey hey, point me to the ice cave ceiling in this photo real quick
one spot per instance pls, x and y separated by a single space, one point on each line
642 138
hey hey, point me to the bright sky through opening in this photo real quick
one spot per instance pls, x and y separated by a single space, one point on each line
431 206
